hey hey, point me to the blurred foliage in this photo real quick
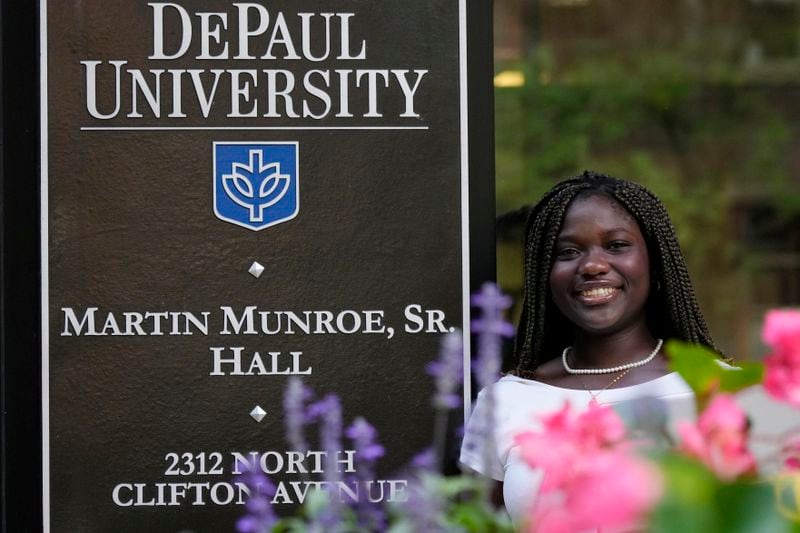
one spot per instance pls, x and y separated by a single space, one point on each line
684 118
695 501
702 371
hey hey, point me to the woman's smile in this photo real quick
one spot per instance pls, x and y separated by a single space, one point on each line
597 295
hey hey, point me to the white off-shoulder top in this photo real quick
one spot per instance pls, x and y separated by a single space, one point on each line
518 404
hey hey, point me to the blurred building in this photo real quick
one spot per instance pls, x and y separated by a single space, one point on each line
697 99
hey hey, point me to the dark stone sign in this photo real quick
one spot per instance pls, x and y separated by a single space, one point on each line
233 194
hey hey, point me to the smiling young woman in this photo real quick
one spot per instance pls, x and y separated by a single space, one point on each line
605 285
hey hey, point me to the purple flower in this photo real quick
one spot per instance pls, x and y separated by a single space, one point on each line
329 412
252 524
448 371
369 514
361 430
256 480
363 436
424 507
425 460
294 407
492 327
371 452
260 516
260 504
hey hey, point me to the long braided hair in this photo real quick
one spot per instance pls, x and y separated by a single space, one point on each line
672 309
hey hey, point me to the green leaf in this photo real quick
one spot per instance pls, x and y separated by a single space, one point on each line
453 486
695 501
743 376
479 517
786 488
469 517
290 525
401 525
749 508
703 371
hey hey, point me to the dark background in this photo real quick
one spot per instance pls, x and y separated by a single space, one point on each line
19 243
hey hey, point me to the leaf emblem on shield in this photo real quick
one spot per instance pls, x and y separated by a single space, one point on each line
256 186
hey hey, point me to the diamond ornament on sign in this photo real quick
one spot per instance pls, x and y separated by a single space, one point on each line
258 413
256 269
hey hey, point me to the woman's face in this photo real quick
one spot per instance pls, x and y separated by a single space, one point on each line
600 278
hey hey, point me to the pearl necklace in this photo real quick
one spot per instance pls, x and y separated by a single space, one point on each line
611 370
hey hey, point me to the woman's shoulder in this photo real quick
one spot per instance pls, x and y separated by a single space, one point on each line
545 373
511 387
514 381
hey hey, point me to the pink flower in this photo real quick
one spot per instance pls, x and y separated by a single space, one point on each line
551 515
782 328
553 449
782 333
565 437
600 426
612 489
591 480
790 453
719 439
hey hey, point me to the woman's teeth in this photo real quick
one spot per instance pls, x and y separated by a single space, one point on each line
598 292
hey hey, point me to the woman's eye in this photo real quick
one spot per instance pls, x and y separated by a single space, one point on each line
618 245
566 252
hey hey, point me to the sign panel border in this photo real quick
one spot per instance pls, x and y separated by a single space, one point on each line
481 255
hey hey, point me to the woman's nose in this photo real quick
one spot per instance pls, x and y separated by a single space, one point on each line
593 264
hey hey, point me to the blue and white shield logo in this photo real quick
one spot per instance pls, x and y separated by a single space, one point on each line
256 184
